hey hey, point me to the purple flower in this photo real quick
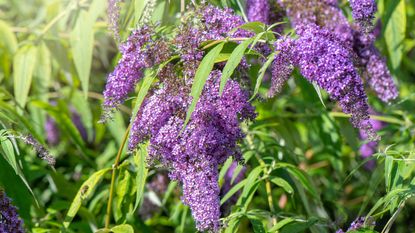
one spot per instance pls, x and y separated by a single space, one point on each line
194 155
41 151
113 12
363 12
282 65
358 224
258 10
207 23
52 131
76 119
140 51
10 221
323 59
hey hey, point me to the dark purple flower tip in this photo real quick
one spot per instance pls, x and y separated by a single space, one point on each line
10 222
41 151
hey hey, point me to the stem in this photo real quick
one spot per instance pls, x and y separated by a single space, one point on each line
114 169
182 7
228 39
375 117
267 182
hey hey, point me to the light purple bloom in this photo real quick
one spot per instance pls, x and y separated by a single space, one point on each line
41 151
258 10
209 139
363 12
52 131
282 66
140 51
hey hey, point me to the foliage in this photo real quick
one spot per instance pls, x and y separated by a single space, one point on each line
302 165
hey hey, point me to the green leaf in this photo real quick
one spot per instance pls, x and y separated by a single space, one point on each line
123 188
23 66
124 228
281 224
304 180
256 27
395 31
261 74
145 86
232 63
388 172
363 230
84 193
296 227
250 187
318 91
43 70
8 150
139 6
8 40
202 73
8 46
233 190
300 176
283 184
140 163
257 225
84 110
64 121
82 41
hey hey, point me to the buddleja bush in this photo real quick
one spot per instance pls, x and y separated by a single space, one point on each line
233 120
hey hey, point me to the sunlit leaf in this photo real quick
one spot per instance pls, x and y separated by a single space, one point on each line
202 73
23 66
232 63
86 190
395 31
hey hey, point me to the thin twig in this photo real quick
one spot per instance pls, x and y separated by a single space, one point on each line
114 169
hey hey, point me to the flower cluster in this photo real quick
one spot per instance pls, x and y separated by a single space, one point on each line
113 17
326 53
140 51
192 154
363 12
258 10
327 14
323 60
10 221
207 23
195 154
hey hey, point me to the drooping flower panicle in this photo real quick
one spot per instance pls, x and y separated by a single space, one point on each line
140 51
327 14
41 151
363 12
